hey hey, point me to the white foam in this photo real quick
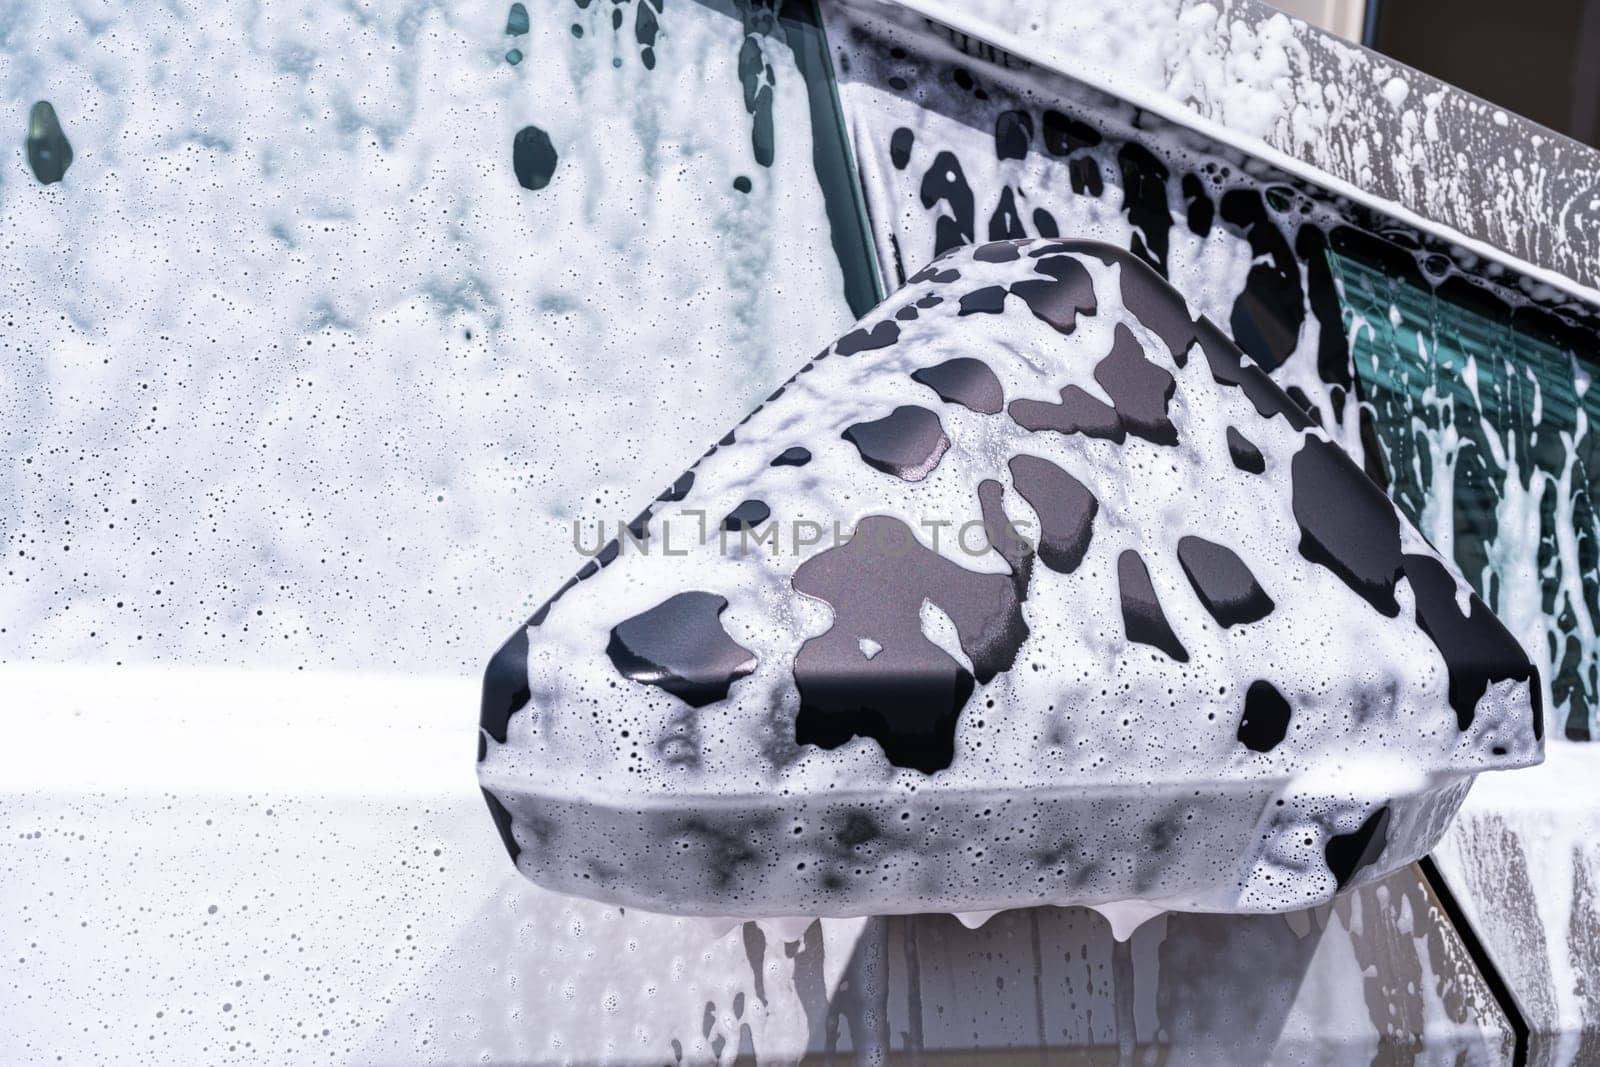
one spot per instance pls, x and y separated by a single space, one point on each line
1126 916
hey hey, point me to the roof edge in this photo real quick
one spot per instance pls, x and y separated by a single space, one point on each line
1358 124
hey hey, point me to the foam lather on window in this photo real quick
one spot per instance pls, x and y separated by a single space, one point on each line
1021 629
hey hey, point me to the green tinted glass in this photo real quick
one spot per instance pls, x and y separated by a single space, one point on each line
1483 423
